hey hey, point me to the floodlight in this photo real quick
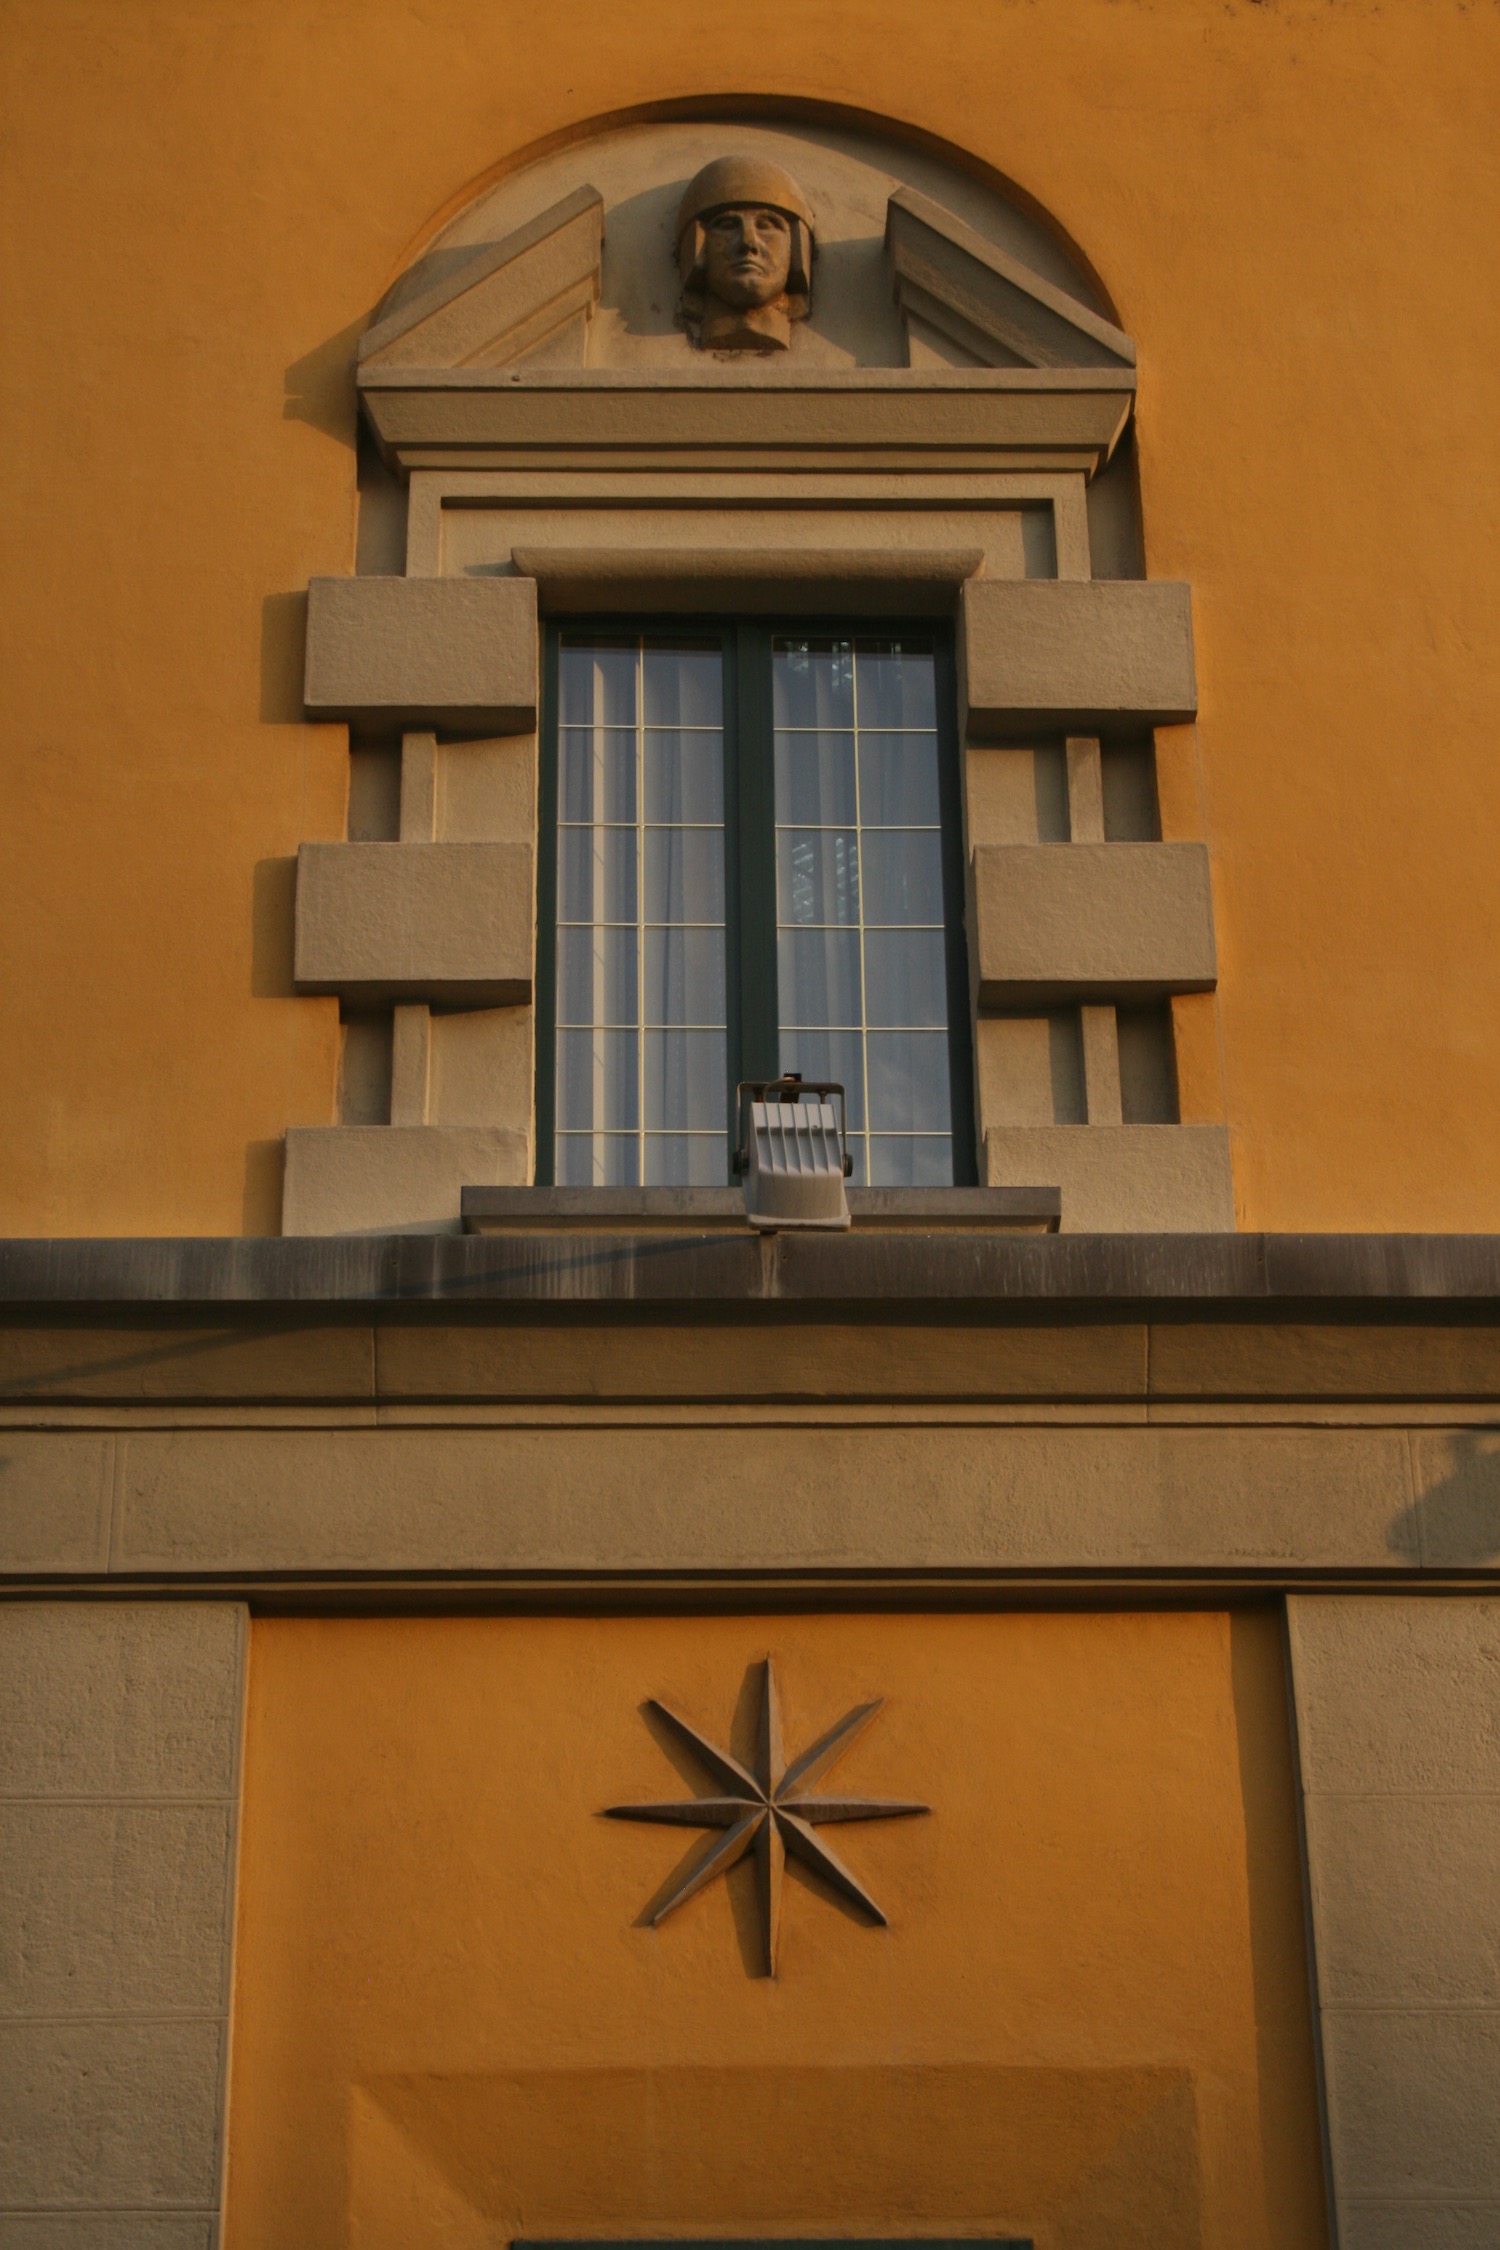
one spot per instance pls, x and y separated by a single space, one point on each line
795 1155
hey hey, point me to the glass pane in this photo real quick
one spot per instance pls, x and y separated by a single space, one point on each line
818 977
596 976
902 872
684 685
684 977
920 1160
812 683
687 1160
861 947
686 1080
596 875
838 1055
898 780
896 686
641 984
684 777
598 1080
906 977
598 1160
684 875
597 775
815 780
817 875
596 684
908 1079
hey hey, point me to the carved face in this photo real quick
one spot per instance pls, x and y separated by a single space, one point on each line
747 256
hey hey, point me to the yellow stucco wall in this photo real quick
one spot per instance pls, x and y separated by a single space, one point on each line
1087 2020
1292 205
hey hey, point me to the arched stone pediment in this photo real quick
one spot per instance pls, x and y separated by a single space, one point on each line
912 259
565 279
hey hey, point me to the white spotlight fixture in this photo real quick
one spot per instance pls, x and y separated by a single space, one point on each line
795 1155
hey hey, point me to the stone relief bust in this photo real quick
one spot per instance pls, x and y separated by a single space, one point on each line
744 250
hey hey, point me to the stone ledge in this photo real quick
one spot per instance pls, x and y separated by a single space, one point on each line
1430 1275
626 419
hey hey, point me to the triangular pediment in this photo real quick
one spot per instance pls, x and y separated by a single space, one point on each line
967 303
504 300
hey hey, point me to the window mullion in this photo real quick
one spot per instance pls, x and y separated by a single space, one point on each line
640 913
755 855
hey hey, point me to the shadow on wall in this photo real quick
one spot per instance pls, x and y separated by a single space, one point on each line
1456 1519
320 386
283 656
260 1207
273 929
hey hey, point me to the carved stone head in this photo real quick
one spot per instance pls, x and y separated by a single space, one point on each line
744 250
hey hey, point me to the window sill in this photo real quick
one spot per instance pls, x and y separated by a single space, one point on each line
575 1210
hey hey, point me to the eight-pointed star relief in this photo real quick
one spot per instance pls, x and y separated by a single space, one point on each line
768 1812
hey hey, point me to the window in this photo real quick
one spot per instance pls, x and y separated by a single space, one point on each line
754 867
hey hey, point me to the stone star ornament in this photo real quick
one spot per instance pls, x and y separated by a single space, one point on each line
769 1812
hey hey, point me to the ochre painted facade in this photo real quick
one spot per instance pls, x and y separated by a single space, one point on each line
338 1568
1087 2022
1290 207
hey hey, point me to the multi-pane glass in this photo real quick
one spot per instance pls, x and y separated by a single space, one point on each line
642 1075
861 956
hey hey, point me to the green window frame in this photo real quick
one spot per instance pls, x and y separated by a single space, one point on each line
753 1028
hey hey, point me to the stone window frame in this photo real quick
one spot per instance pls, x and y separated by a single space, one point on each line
872 492
748 723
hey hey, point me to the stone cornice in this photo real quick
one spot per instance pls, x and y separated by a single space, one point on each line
997 1274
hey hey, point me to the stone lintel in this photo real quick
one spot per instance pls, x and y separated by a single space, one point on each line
867 580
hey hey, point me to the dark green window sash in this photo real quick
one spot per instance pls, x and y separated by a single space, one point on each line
750 852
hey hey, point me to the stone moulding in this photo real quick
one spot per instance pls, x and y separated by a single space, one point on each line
716 418
948 279
504 299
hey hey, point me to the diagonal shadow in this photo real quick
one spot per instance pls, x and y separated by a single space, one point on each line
1457 1519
